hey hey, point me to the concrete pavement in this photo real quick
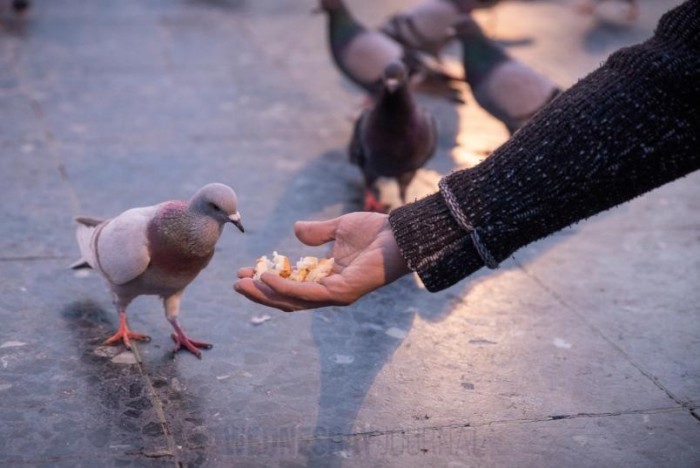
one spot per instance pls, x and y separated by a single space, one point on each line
579 351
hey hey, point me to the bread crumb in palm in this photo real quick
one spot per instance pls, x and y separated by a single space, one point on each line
306 269
323 269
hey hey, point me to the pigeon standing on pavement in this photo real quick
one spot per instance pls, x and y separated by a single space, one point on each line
427 26
362 54
157 250
394 138
508 89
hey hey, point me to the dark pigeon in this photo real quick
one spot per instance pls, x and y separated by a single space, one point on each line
392 139
508 89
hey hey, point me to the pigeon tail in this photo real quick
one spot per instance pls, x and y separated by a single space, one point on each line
83 234
87 221
78 264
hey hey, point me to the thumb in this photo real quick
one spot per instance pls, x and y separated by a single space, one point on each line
316 232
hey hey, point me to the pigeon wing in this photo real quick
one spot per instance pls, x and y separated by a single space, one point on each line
366 56
432 135
356 150
122 245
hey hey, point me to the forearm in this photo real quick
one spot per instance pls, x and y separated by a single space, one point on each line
627 128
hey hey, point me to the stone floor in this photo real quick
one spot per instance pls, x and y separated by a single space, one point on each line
579 351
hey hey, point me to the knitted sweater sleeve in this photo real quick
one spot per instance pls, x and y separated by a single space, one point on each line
628 127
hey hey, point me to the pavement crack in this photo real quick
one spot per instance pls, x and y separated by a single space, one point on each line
475 425
464 425
558 417
655 380
151 453
414 430
694 414
160 412
167 35
48 136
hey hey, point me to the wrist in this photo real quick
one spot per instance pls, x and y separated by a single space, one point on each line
432 244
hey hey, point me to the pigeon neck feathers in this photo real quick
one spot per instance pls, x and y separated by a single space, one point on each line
480 55
182 233
394 110
342 27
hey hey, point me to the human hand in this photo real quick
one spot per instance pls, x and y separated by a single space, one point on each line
366 258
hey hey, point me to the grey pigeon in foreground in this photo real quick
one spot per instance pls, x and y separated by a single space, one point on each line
362 54
508 89
427 26
157 250
394 138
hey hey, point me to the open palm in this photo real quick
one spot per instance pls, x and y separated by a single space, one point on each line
366 258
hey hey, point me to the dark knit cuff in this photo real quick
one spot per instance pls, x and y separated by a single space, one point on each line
432 243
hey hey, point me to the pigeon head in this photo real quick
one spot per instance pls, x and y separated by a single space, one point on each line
394 76
218 201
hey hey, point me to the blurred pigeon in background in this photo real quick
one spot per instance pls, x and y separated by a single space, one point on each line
394 138
157 250
362 54
612 11
508 89
20 5
427 26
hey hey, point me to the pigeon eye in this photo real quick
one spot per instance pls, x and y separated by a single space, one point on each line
214 207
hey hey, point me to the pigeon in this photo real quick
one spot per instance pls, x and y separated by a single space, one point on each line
611 10
362 54
20 5
394 138
157 250
508 89
427 26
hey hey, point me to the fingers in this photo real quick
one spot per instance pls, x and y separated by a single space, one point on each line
246 272
262 294
316 232
259 293
310 292
275 291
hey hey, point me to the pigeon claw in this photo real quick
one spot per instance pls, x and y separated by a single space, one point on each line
192 346
372 204
124 335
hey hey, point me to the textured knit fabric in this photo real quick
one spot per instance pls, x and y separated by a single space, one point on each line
628 127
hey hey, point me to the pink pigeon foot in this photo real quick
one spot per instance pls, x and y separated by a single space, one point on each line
190 345
182 341
372 204
124 334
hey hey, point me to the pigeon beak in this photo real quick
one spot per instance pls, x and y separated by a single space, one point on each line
236 220
391 84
